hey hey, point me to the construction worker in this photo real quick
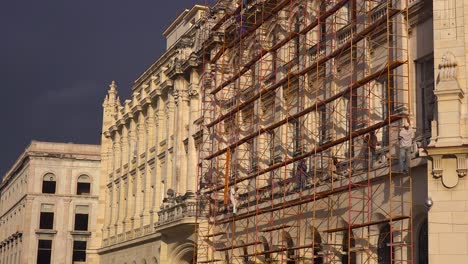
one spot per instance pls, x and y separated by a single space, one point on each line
234 197
371 143
405 136
301 175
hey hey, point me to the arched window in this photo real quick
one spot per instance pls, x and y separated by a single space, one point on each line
83 185
49 183
290 253
348 243
266 249
244 252
384 250
317 244
423 244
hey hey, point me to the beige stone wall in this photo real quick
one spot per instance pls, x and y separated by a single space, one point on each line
149 152
448 217
21 199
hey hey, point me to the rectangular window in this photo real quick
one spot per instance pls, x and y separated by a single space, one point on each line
79 251
425 94
48 184
46 220
81 218
44 251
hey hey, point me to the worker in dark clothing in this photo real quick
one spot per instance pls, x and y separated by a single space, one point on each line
371 143
301 175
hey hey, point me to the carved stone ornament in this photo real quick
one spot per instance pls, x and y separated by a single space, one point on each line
176 96
448 67
449 169
193 92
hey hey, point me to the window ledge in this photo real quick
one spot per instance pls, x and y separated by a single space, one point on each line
80 233
46 231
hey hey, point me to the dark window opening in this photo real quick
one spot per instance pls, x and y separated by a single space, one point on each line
348 243
81 222
83 188
423 244
48 186
46 221
79 251
384 251
44 251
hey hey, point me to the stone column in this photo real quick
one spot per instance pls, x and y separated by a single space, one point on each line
180 132
170 174
193 115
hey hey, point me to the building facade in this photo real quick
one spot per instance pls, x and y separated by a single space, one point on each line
447 184
149 157
310 110
48 204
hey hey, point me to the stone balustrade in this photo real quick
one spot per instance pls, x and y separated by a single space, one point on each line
174 209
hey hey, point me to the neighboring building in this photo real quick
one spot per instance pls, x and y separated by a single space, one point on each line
293 93
448 150
48 204
149 157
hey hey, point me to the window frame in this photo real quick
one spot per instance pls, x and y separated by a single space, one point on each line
43 181
89 182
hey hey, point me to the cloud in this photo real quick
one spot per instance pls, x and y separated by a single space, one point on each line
75 94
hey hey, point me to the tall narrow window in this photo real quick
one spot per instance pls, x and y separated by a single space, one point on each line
425 94
271 145
296 132
44 251
384 250
318 257
266 249
323 125
49 183
83 185
323 22
290 251
79 251
348 243
81 218
423 244
47 216
297 36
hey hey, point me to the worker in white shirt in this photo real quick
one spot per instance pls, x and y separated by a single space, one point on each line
233 196
406 141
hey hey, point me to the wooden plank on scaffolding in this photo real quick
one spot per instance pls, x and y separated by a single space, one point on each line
226 176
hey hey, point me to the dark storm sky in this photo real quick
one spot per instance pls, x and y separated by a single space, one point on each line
58 57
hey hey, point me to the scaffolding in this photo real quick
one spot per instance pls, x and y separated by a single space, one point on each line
302 103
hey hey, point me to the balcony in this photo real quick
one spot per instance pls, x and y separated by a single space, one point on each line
174 209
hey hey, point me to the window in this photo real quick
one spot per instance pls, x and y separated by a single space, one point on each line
324 125
297 42
423 244
266 249
79 251
83 186
81 218
384 250
44 251
47 217
348 242
290 252
48 183
318 257
425 94
322 22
